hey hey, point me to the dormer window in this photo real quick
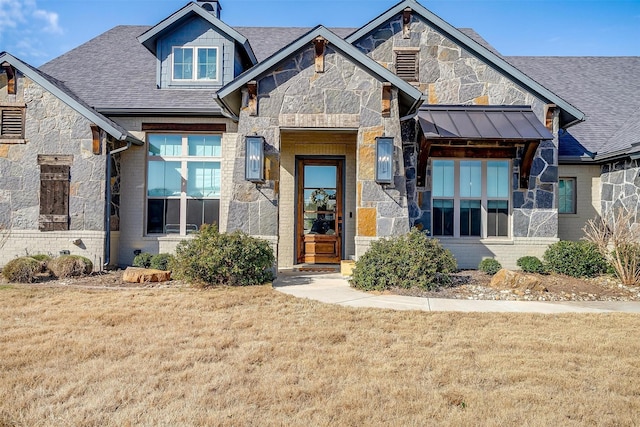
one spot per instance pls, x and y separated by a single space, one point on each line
195 63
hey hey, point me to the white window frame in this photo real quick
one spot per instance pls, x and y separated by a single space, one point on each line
194 65
184 160
575 195
484 199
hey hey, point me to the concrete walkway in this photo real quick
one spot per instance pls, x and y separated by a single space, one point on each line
334 289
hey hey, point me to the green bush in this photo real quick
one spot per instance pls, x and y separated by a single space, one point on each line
70 266
214 258
530 264
161 261
41 257
142 260
22 270
489 266
411 260
576 259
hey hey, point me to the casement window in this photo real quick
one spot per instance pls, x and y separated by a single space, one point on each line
407 64
567 195
470 198
183 182
195 63
54 192
11 122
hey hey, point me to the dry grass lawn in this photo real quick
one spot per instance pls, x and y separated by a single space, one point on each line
253 356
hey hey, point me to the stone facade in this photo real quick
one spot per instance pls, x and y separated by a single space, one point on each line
51 127
621 188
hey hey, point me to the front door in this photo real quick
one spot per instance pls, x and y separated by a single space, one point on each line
319 211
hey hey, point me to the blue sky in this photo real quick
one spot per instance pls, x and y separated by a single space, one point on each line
39 30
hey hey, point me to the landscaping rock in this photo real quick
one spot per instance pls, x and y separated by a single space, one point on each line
144 275
515 280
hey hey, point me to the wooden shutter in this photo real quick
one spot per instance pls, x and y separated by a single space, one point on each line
54 197
12 123
407 65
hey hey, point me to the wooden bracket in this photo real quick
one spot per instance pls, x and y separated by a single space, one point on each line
95 132
320 44
423 158
11 78
252 100
406 23
548 116
526 162
386 99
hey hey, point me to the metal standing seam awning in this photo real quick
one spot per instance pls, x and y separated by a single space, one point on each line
473 124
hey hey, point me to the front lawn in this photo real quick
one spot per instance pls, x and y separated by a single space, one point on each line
253 356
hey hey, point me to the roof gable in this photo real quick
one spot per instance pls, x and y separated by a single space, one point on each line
569 114
410 97
68 97
150 37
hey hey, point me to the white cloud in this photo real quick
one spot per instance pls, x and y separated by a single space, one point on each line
51 18
14 13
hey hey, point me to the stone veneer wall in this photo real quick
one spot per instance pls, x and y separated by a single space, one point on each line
448 74
295 96
621 187
51 127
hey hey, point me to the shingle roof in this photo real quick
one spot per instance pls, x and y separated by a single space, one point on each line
607 89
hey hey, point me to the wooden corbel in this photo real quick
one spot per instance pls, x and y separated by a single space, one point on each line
406 23
423 159
386 99
548 116
95 132
11 78
320 44
526 162
252 99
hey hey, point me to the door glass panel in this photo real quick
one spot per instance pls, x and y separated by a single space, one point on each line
320 193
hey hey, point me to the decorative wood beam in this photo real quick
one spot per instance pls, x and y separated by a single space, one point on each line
548 116
252 100
473 152
406 23
386 99
95 132
11 78
526 162
184 127
320 44
423 158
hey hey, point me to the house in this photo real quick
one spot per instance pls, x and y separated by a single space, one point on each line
319 140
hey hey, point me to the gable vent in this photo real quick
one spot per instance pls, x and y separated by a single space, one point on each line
407 65
12 123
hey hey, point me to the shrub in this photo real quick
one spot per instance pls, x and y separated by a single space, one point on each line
530 264
22 270
214 258
142 260
70 266
41 257
576 259
161 261
617 240
489 266
411 260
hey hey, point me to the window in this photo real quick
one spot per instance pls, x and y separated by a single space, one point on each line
470 197
195 63
183 182
407 65
54 192
567 195
12 122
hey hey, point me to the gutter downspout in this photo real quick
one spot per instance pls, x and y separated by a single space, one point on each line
107 216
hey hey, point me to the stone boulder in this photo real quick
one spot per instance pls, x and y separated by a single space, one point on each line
516 281
144 275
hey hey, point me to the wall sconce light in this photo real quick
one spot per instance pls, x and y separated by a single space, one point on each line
384 160
254 160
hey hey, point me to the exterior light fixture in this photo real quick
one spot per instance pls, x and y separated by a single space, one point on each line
384 160
254 161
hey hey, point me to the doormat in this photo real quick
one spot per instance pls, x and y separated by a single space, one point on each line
317 269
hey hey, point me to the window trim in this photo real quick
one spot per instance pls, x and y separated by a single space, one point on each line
194 65
484 199
184 158
575 194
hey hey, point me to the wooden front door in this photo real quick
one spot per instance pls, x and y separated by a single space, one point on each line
319 211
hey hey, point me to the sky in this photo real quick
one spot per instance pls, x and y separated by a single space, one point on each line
37 31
